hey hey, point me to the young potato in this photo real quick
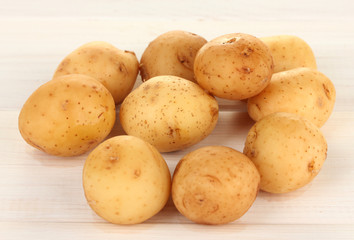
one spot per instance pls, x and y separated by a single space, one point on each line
304 91
172 53
214 185
116 69
126 180
290 52
68 115
287 150
169 112
234 66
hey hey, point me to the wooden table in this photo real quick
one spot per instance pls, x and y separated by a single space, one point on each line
41 196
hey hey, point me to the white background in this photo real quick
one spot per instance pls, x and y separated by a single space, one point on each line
41 196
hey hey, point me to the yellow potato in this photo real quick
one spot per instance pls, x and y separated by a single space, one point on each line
169 112
290 52
304 91
234 66
116 69
171 53
214 185
67 116
126 180
287 150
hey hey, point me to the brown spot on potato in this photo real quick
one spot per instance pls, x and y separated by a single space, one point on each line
92 142
137 173
64 105
247 52
214 112
258 107
246 70
253 153
122 68
184 60
214 208
143 72
231 40
200 198
212 179
174 132
327 92
319 102
113 159
129 52
311 167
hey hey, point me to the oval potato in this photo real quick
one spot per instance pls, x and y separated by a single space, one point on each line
171 53
303 91
234 66
288 151
214 185
126 180
289 52
68 115
116 69
169 112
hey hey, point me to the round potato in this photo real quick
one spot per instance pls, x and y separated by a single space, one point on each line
68 115
214 185
126 180
169 112
290 52
234 66
116 69
303 91
287 150
172 53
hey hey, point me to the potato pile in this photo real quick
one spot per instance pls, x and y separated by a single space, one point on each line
126 179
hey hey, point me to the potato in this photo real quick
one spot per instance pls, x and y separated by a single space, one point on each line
214 185
169 112
126 180
290 52
116 69
287 150
304 91
234 66
171 53
68 115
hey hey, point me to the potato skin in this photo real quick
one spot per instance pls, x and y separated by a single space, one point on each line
234 66
116 69
169 112
290 52
288 151
67 116
214 185
126 180
303 91
171 53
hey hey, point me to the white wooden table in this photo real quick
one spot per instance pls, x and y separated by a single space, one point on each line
41 196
